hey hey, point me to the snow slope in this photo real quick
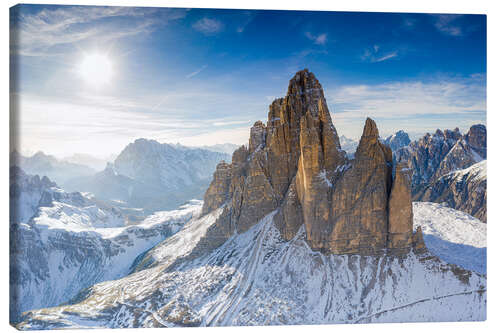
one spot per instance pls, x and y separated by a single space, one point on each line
452 235
257 278
64 242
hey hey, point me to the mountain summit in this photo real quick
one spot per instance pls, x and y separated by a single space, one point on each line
295 165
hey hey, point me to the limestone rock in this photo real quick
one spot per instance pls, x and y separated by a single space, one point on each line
468 150
476 137
418 243
218 191
464 190
257 136
295 165
425 155
359 216
400 210
443 152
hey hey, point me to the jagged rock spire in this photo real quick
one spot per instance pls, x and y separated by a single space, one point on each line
294 165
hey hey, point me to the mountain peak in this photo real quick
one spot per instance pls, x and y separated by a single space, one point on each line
370 129
294 167
304 83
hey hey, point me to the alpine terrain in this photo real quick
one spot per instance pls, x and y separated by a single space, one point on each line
64 242
291 231
152 176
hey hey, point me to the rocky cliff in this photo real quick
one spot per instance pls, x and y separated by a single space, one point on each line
294 164
435 155
464 190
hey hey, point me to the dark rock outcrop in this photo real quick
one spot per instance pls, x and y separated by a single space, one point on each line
464 190
442 152
295 165
425 155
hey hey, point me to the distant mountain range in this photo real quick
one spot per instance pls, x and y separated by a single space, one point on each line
96 163
433 156
152 176
46 165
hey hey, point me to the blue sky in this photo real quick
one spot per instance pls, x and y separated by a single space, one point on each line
204 76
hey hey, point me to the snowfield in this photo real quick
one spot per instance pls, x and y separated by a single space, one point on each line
452 235
257 278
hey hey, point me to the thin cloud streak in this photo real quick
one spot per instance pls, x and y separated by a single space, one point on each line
190 75
372 55
386 57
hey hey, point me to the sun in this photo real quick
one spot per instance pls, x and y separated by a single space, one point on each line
96 69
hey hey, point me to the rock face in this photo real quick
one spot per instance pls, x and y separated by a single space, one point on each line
464 190
442 152
295 165
400 212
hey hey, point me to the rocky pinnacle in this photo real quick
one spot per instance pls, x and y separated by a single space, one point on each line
295 165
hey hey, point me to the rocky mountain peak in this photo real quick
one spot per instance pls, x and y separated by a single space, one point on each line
398 140
257 136
295 167
476 137
304 83
370 130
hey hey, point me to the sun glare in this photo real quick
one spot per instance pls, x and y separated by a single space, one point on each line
96 69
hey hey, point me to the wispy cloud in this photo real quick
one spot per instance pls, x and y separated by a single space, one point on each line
248 17
386 57
208 26
45 32
196 72
372 54
230 122
457 101
447 24
320 39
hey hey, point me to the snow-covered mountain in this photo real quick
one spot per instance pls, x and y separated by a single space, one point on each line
397 140
152 176
435 155
173 166
348 145
41 164
257 278
63 242
464 190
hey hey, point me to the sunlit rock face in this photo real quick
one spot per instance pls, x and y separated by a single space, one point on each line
295 164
